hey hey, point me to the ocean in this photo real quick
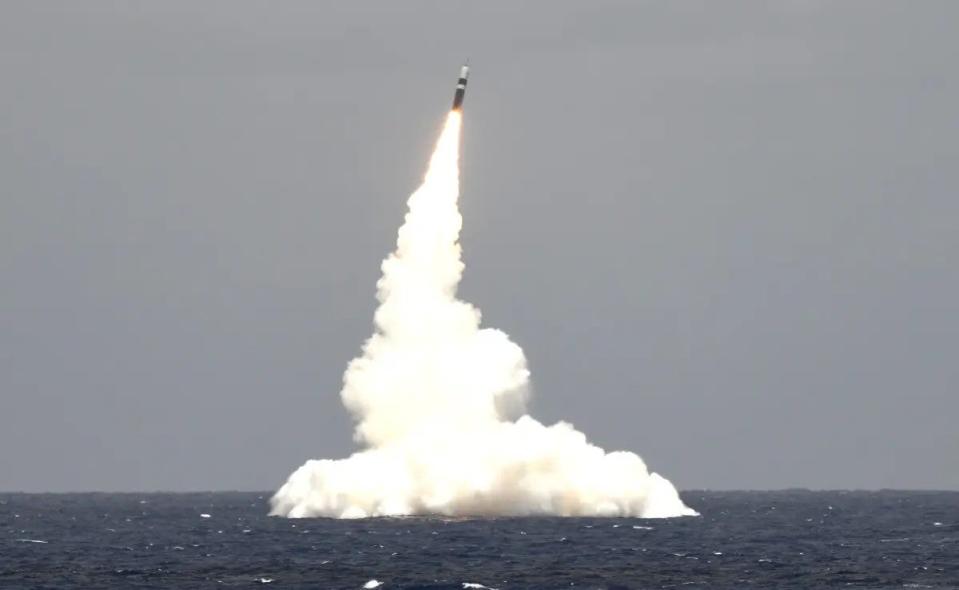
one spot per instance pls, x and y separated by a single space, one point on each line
781 539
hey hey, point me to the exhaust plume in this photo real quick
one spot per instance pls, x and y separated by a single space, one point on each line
435 397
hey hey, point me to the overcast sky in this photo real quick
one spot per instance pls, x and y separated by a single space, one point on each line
725 234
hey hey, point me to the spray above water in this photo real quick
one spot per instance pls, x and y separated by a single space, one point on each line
436 398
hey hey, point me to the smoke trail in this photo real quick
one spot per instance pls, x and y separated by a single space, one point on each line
434 396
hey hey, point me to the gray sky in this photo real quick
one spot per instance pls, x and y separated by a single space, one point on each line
725 234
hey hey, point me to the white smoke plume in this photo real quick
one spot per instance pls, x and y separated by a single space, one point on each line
434 397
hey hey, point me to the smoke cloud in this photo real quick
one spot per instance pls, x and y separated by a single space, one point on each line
436 398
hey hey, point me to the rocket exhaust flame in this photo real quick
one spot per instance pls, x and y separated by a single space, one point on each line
432 394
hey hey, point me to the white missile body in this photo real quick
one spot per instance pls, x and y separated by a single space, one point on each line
461 88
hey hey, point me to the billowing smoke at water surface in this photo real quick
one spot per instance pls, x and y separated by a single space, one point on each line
435 397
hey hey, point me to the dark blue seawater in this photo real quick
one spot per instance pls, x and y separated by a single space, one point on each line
789 539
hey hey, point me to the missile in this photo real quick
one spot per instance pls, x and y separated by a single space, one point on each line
461 88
